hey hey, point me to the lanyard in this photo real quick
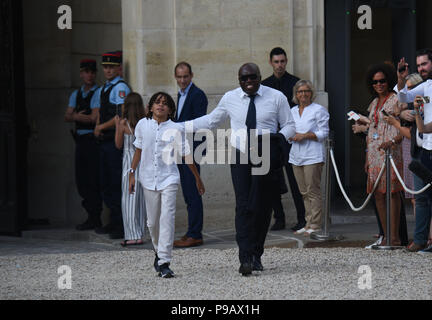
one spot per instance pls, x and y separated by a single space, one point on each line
378 109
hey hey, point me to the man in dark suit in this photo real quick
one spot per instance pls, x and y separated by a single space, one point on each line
191 104
283 81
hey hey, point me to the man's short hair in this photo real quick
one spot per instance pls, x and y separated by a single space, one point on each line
277 52
183 64
425 52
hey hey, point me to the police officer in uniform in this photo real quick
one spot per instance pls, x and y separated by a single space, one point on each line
84 116
110 99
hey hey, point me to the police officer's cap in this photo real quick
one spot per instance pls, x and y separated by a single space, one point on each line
120 54
88 64
111 58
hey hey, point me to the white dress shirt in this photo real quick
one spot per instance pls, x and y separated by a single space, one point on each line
407 96
315 118
160 145
272 109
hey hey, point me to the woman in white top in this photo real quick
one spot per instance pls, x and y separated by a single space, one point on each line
307 152
158 142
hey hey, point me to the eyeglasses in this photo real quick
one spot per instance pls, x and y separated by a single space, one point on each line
381 81
247 77
304 91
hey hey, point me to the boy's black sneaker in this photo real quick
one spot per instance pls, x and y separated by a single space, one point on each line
156 264
165 271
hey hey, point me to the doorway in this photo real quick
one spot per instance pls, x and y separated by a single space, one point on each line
351 48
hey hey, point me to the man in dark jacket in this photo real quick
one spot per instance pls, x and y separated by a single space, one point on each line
191 104
283 81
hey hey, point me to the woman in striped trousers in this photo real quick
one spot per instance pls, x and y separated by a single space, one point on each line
133 205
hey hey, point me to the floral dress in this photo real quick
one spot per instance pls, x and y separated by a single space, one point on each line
380 132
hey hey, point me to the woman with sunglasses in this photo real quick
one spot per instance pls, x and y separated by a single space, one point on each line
382 136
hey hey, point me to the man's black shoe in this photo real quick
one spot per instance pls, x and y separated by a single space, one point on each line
156 264
245 269
298 226
105 230
278 225
88 225
257 265
165 271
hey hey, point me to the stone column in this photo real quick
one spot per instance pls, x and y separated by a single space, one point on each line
309 44
149 44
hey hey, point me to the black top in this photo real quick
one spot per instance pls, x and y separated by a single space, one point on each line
285 84
108 110
83 104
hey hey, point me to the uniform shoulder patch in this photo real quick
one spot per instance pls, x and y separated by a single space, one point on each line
122 94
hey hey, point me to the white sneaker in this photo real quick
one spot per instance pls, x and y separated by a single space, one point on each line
377 243
310 231
301 231
428 250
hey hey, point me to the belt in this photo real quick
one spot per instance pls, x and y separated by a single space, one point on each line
85 136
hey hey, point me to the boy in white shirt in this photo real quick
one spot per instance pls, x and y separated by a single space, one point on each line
158 139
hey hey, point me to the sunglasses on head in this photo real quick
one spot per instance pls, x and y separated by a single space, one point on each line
381 81
248 77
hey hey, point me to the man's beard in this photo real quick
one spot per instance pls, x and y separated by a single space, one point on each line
428 76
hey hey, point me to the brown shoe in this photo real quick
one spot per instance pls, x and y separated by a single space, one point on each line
188 242
413 247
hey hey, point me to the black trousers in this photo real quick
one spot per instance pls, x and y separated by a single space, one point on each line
87 175
111 178
403 228
296 195
193 201
254 197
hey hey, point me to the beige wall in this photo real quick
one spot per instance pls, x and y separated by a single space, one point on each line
217 37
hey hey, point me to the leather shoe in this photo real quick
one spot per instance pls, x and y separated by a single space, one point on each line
245 269
278 225
88 225
413 247
188 242
257 265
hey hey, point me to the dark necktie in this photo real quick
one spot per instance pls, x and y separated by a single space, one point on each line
251 122
178 100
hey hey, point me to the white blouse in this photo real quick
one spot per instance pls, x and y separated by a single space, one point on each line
315 118
160 145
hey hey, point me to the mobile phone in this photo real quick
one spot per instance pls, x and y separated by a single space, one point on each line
402 69
353 116
385 113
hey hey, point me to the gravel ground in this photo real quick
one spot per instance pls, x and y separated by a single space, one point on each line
213 274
